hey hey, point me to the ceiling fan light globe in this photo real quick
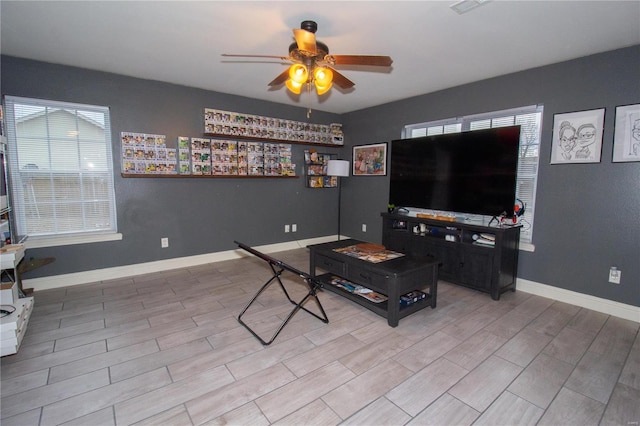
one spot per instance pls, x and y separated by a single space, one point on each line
298 73
293 86
322 89
322 76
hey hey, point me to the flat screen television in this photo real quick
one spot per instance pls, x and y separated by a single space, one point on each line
469 172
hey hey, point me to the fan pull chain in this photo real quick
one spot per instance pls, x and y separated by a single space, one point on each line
308 100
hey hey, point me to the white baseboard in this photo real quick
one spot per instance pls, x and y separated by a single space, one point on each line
598 304
96 275
608 307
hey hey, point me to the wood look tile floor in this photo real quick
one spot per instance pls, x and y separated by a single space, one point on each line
166 349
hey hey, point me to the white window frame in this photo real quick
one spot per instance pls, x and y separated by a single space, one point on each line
84 226
529 144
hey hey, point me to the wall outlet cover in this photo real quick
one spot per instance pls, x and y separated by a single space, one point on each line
614 275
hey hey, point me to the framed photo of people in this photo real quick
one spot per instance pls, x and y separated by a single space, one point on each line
626 137
370 160
577 137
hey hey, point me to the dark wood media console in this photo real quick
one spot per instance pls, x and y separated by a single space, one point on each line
484 258
393 278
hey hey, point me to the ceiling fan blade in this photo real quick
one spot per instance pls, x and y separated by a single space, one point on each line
305 40
378 61
284 58
341 81
280 78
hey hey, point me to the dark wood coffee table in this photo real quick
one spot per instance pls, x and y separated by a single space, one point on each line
392 278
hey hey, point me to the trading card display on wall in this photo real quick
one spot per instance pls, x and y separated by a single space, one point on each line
147 154
224 157
323 181
165 157
337 137
184 157
316 181
255 158
150 155
171 161
287 168
271 159
200 156
133 156
128 159
317 164
243 158
330 181
316 170
217 122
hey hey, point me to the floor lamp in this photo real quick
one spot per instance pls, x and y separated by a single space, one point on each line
338 168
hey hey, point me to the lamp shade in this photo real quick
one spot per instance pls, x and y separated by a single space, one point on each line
322 89
322 76
298 73
293 86
338 168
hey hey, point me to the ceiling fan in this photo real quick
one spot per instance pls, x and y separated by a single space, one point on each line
312 63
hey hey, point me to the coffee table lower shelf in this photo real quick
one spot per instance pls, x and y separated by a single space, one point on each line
381 308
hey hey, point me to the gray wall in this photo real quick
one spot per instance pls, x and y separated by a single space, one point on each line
587 215
198 215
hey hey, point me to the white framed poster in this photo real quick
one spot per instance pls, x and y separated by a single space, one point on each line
577 137
626 139
370 160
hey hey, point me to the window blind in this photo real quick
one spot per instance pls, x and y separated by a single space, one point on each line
60 168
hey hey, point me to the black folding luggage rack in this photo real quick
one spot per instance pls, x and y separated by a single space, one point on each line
278 267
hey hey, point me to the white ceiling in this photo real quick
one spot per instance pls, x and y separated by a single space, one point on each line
432 46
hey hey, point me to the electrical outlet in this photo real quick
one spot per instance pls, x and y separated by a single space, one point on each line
614 275
294 228
286 228
364 227
164 242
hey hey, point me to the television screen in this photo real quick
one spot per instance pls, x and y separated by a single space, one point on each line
469 172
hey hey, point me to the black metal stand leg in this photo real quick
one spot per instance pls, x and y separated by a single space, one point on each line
311 283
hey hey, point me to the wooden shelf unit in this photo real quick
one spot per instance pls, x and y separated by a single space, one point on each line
466 254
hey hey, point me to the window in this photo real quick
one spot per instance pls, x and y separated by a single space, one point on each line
530 120
60 168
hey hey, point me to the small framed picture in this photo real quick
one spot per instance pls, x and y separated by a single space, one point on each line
626 139
370 160
577 137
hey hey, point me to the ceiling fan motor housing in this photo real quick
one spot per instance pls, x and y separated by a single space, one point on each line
310 26
322 50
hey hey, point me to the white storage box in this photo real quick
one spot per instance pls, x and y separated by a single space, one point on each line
8 293
10 255
14 326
